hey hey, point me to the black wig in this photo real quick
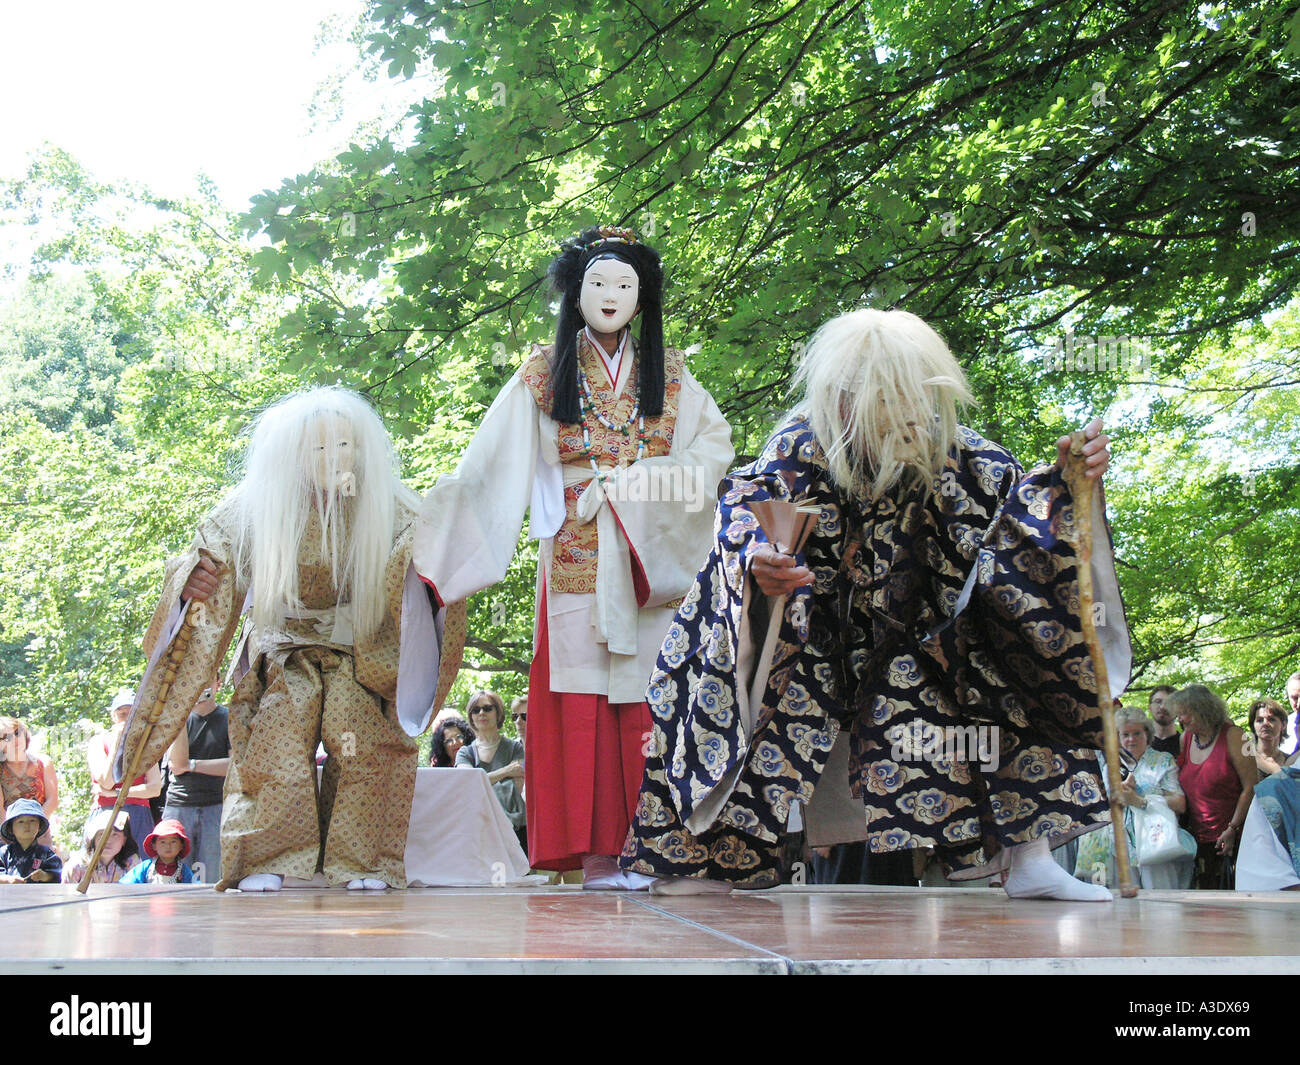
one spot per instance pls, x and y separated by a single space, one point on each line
565 275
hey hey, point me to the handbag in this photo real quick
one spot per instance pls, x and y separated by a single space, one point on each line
1155 829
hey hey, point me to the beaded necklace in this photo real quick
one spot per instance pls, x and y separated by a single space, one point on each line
587 405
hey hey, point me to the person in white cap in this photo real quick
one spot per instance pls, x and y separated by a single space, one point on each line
99 756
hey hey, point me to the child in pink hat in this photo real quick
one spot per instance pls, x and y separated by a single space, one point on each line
167 847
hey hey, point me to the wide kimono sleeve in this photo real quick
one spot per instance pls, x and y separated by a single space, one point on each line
412 660
736 664
469 522
664 504
1268 858
1013 647
213 623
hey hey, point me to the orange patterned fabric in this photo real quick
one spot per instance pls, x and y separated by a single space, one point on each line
573 564
27 784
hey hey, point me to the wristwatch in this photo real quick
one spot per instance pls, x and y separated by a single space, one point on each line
193 763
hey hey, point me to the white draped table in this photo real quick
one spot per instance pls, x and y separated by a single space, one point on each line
459 835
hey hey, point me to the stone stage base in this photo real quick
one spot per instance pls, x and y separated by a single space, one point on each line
788 930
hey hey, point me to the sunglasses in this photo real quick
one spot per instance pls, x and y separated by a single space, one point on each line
482 708
518 717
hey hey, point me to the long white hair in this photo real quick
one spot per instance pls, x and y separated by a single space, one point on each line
298 445
881 391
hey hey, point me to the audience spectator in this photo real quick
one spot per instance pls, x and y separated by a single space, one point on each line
167 847
1291 745
519 715
1218 778
22 858
24 774
118 857
1269 859
1166 736
198 760
100 758
500 756
1149 779
443 714
1268 726
451 734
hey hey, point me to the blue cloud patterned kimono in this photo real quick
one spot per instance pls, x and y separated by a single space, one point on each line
962 707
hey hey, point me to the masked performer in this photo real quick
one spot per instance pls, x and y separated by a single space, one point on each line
343 648
617 449
872 652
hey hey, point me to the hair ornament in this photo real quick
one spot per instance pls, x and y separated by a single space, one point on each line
610 235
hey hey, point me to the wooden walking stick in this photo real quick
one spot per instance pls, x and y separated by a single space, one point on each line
1082 488
170 663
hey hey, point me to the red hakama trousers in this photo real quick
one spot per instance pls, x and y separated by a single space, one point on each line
583 764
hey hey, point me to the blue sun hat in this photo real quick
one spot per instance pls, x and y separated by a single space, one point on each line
22 808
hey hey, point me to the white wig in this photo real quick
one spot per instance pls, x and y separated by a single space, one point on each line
881 390
297 445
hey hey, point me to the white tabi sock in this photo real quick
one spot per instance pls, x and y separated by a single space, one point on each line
1034 875
637 881
262 882
366 884
600 872
689 885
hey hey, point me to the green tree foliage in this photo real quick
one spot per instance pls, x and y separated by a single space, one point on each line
1001 169
62 354
1208 518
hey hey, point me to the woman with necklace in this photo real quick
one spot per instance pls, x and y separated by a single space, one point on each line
616 450
499 756
25 774
1218 778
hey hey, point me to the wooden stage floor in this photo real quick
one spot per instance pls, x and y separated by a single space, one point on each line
562 929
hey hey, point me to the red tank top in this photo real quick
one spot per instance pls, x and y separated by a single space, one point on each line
29 784
1212 788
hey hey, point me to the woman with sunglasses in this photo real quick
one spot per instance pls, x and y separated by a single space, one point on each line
501 757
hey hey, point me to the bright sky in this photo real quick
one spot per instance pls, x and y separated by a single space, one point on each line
158 90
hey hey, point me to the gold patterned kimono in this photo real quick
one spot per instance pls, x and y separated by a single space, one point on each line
304 683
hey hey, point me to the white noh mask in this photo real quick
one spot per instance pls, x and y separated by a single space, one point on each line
610 290
333 450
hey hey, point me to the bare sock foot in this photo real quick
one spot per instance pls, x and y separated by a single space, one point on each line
600 872
1034 875
262 882
366 884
